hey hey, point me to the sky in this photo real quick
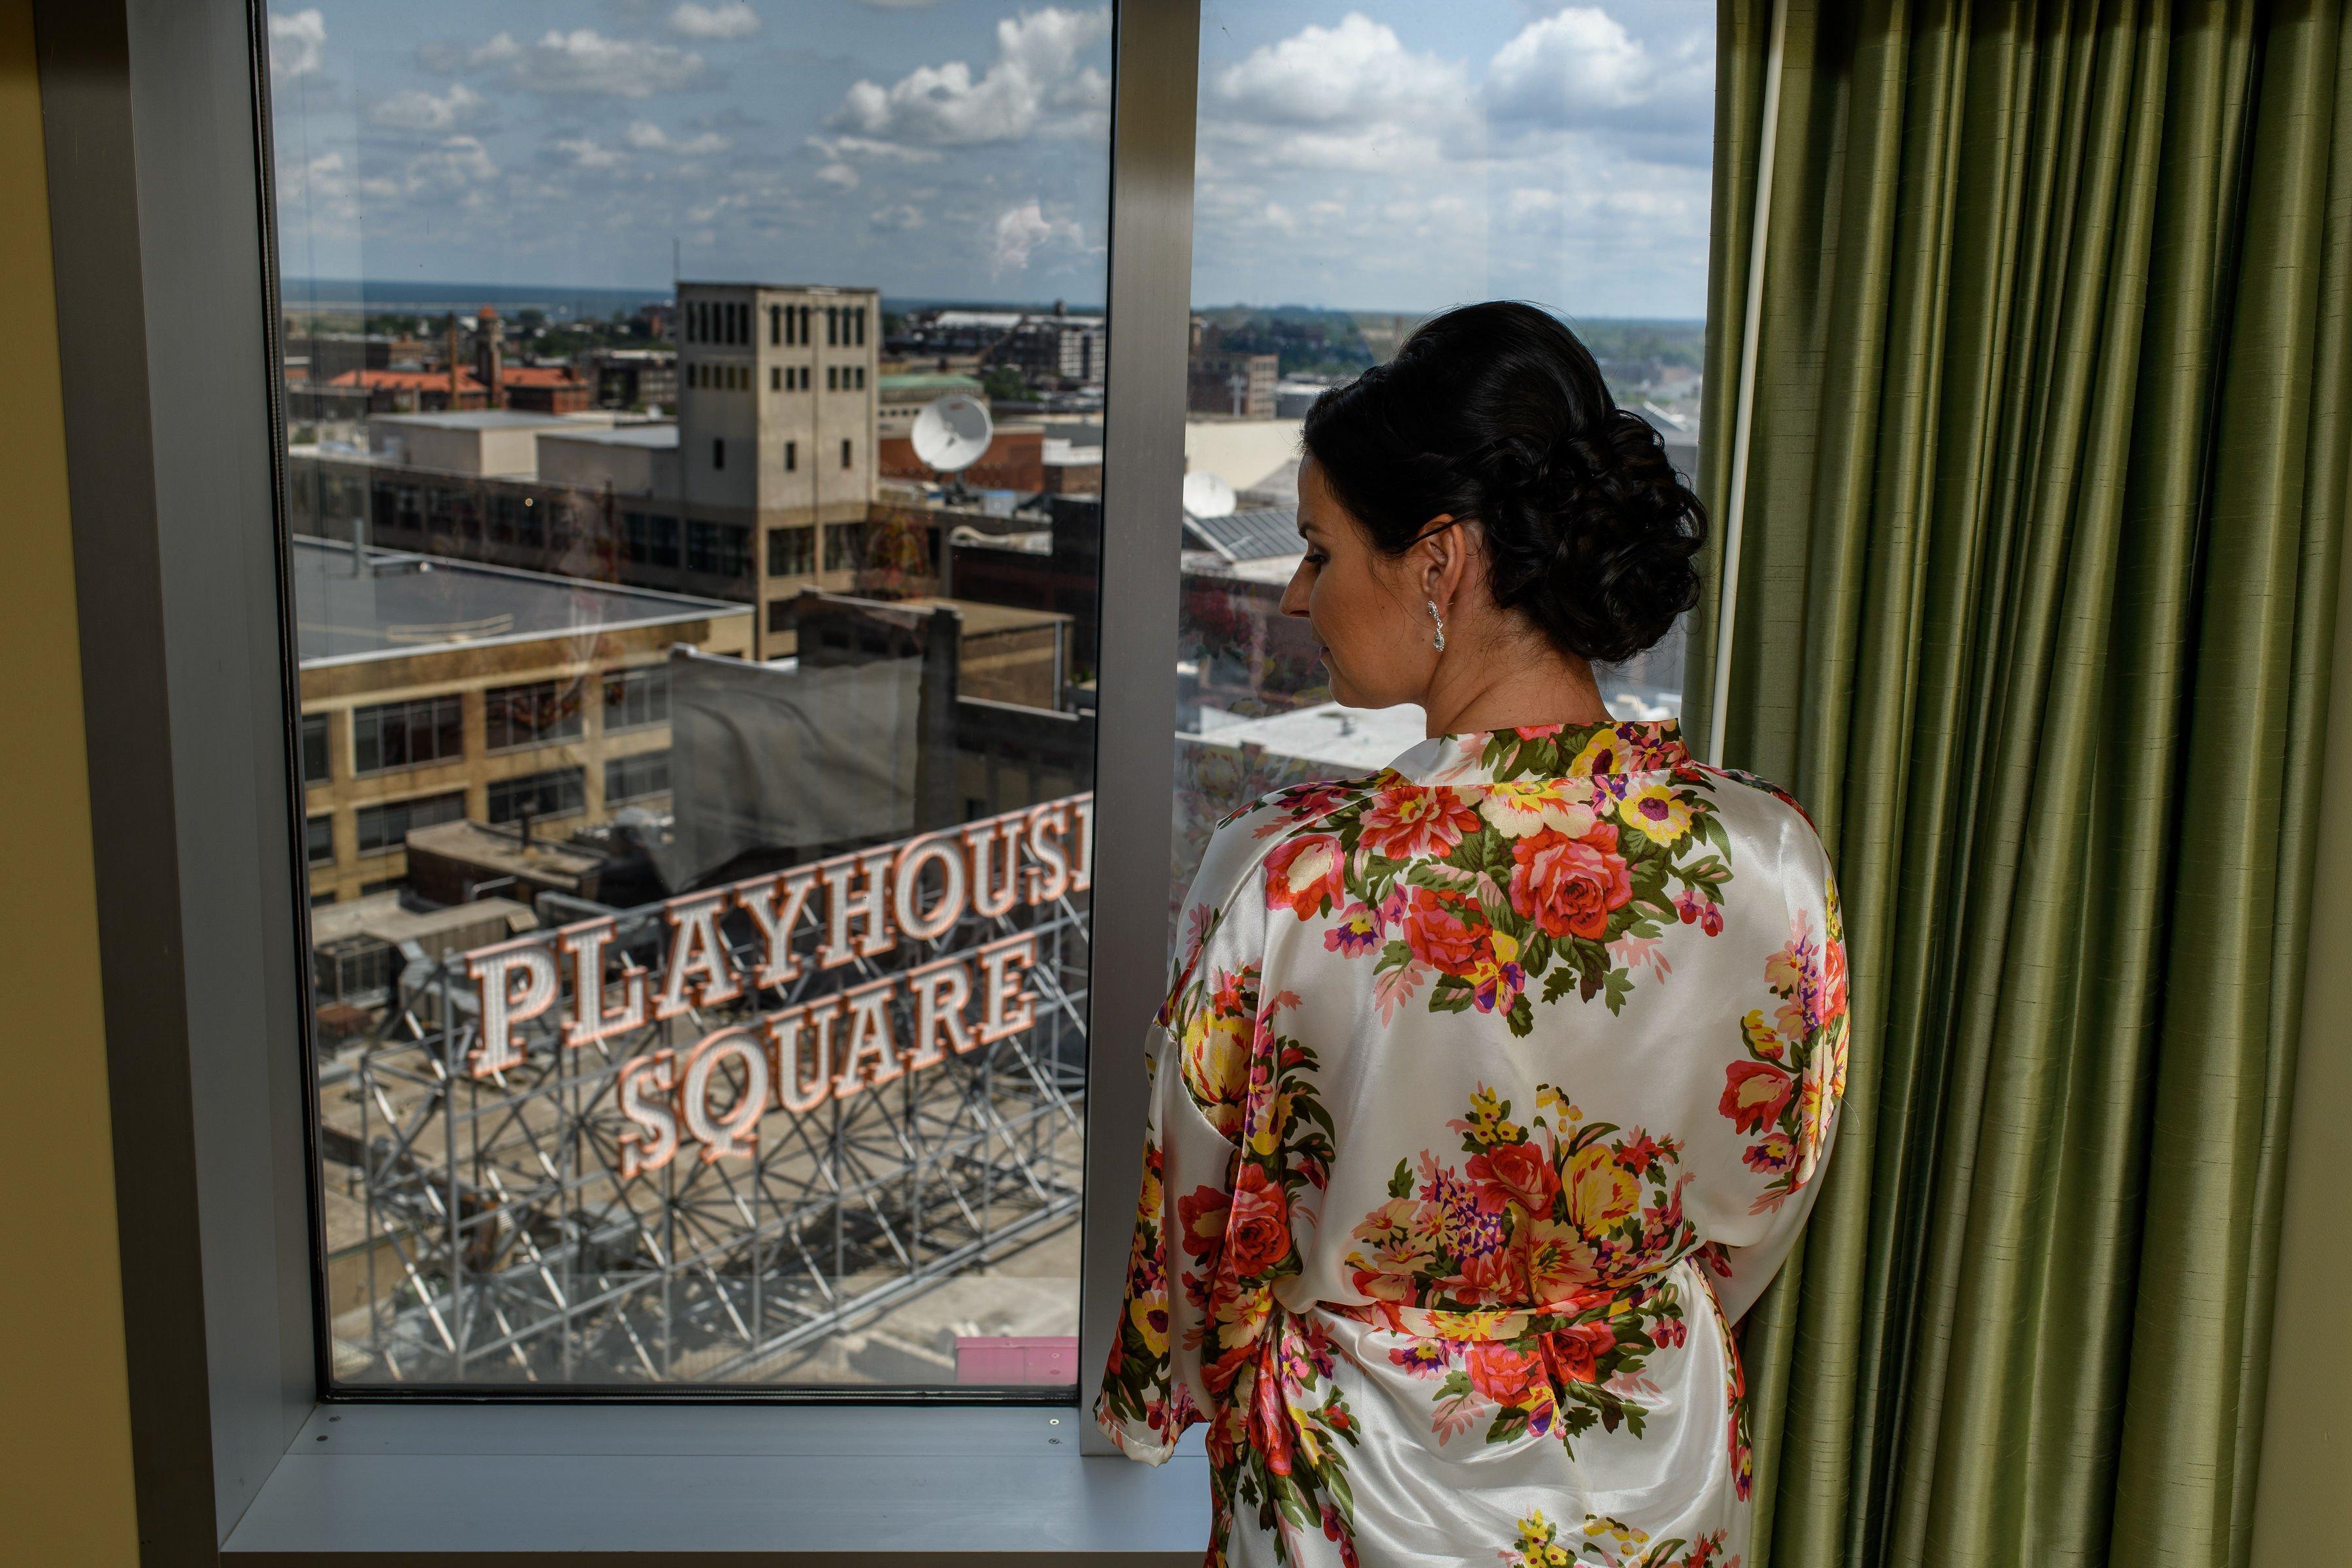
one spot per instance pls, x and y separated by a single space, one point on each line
1384 154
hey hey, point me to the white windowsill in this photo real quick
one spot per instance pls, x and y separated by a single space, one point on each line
784 1483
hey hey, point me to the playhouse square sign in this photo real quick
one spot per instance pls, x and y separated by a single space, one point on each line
844 1042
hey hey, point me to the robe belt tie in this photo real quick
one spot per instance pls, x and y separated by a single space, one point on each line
1507 1324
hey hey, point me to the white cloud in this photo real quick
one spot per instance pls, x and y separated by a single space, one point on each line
1354 74
1020 232
418 110
587 153
458 160
455 165
1582 60
729 19
840 174
645 135
835 149
500 50
1529 199
298 43
584 61
1042 79
903 217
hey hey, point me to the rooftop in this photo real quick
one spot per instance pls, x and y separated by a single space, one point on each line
474 419
541 860
980 619
661 434
919 383
685 284
383 916
1358 740
406 380
1267 534
399 604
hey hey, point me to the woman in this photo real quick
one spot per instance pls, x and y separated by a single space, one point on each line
1490 1090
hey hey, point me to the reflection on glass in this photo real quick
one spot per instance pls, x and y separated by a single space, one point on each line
697 760
1380 161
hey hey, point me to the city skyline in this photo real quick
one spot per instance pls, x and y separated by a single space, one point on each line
1347 158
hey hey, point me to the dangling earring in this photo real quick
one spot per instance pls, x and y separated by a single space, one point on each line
1441 625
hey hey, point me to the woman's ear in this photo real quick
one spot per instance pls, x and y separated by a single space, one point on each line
1446 547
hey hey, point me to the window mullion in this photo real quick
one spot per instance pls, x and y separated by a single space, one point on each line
1155 67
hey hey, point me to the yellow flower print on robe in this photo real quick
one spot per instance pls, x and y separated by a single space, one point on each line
1539 1544
1216 1042
1600 1191
1516 808
1657 811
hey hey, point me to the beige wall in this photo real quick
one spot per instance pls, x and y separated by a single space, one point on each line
65 1451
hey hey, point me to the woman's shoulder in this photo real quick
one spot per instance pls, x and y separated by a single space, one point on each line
1767 817
1277 827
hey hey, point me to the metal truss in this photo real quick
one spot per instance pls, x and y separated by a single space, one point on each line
502 1244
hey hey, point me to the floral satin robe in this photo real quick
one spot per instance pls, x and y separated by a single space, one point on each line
1489 1092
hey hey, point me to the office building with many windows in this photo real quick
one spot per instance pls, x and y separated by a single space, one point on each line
435 690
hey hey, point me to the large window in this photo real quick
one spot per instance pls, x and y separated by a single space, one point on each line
634 698
748 1027
636 777
720 549
383 827
558 791
317 768
529 715
408 734
1380 161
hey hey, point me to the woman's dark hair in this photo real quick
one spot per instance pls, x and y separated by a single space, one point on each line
1496 412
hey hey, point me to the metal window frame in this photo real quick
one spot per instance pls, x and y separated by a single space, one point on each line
156 141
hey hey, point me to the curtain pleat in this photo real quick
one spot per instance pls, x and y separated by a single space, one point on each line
2045 490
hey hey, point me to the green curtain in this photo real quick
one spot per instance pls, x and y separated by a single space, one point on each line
2045 490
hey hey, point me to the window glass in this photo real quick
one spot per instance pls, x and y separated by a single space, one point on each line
407 734
316 767
635 698
699 911
637 777
529 715
386 827
1374 162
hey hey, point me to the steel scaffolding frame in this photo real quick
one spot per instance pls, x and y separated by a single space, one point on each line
517 1252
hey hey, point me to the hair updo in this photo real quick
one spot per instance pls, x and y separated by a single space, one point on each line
1496 412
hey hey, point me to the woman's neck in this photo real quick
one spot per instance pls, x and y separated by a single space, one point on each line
1498 687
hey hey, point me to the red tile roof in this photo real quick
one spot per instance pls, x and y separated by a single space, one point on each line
406 380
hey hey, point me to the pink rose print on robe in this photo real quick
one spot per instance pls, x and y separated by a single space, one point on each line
1406 820
1302 875
1569 886
1754 1094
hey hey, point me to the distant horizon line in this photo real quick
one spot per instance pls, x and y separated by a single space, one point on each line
378 293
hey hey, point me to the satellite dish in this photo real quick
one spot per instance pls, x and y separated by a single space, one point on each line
1205 495
952 432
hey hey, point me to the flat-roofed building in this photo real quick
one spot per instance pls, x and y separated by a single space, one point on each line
482 443
437 690
760 487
